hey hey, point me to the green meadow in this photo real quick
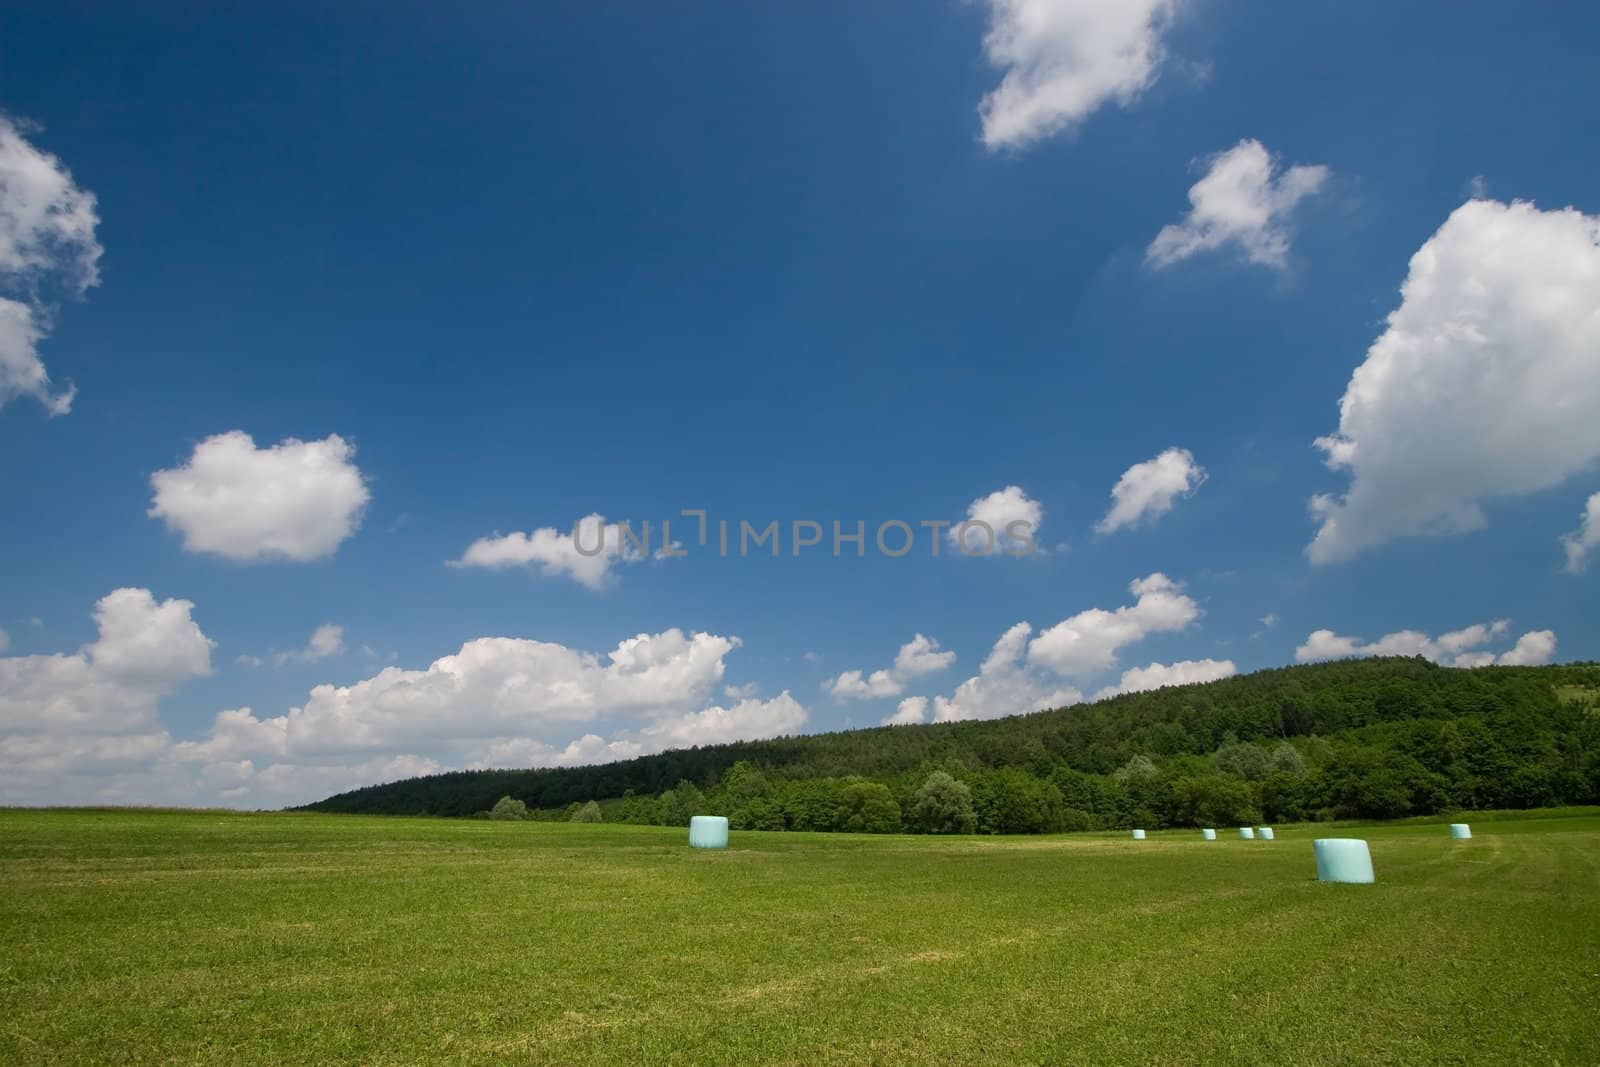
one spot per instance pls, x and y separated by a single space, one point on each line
155 937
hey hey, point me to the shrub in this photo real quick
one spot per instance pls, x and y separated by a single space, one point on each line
1216 800
1286 759
1011 801
762 814
508 808
867 808
1283 797
1243 759
1076 820
943 806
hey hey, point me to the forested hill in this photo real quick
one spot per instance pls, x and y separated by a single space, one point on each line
1357 738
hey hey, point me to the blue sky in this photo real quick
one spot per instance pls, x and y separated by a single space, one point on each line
459 274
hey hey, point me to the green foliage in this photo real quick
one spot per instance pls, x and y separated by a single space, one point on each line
637 811
1378 738
590 812
745 798
743 783
811 804
761 814
1139 767
1012 801
1245 761
681 803
508 808
943 806
1286 759
867 808
1216 800
1284 797
1076 821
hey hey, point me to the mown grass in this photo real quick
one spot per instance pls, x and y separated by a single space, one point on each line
218 938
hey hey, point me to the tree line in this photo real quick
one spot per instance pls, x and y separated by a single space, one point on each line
1378 738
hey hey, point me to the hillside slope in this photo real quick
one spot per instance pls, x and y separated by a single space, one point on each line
1374 738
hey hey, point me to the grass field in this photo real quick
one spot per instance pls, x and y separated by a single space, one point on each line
222 938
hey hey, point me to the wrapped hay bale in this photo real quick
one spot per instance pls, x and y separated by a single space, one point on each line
708 831
1265 833
1246 834
1208 834
1343 859
1460 831
1138 835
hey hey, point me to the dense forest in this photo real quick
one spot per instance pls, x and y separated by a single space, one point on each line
1376 738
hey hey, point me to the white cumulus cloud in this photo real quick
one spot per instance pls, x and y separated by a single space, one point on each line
145 650
1582 542
1146 491
1533 649
235 734
1245 199
1268 622
1006 522
85 727
588 554
744 721
22 372
853 685
1482 386
911 710
1458 648
1090 640
279 784
1156 675
47 244
504 686
918 657
1064 59
519 752
1023 672
1004 685
296 501
326 641
77 717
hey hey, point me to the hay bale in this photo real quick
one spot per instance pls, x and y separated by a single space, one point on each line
708 831
1265 833
1460 831
1343 859
1138 835
1246 834
1208 834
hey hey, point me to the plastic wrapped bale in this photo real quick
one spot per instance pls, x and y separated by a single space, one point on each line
1138 835
1343 859
1246 834
708 831
1208 834
1460 831
1265 833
